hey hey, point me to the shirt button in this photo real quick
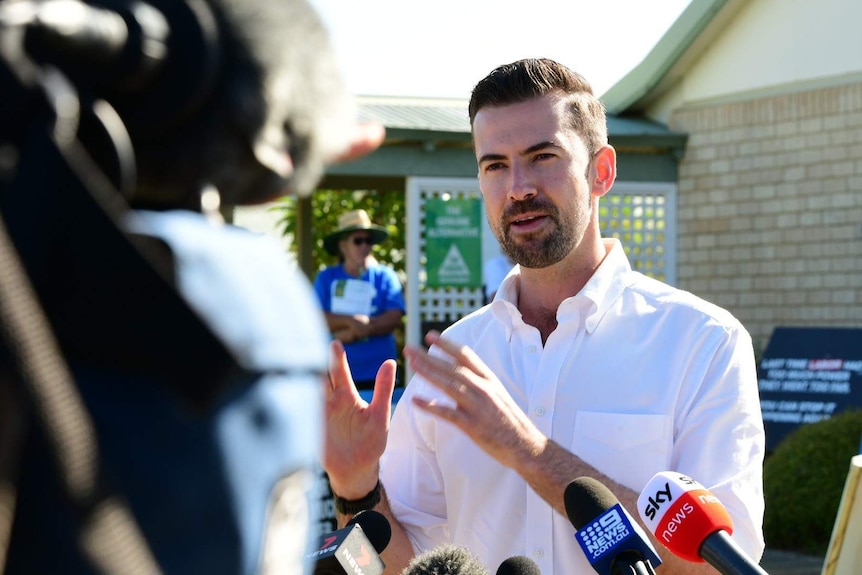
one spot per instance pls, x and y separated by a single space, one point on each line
531 349
539 553
540 411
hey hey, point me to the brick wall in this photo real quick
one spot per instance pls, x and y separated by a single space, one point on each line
770 208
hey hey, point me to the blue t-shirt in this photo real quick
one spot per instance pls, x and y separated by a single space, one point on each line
365 357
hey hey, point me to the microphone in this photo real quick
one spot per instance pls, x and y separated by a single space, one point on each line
692 523
611 539
518 565
354 548
375 526
445 560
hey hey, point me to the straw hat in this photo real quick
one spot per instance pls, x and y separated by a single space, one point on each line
353 221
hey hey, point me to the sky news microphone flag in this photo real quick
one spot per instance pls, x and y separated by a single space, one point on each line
692 523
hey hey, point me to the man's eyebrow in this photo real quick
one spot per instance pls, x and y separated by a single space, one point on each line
540 146
531 150
491 158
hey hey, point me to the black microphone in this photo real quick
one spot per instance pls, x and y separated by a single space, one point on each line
518 565
445 560
692 523
375 526
611 539
355 548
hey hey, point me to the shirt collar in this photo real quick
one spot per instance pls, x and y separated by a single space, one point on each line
603 289
608 282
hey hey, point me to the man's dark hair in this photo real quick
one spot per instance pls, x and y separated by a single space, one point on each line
535 77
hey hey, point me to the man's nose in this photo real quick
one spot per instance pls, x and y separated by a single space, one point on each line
522 185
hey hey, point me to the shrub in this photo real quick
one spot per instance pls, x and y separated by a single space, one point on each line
803 480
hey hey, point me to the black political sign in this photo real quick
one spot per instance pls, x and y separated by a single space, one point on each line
807 375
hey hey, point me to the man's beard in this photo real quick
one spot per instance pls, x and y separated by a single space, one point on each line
540 249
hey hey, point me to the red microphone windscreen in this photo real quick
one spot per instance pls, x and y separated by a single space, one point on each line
681 513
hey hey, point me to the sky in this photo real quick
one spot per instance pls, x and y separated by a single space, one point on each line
442 48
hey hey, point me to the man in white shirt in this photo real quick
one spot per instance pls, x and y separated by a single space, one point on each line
579 367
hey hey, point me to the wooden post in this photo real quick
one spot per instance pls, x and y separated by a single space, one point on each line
304 239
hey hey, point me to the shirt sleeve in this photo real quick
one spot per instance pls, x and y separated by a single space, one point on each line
721 441
322 289
411 475
393 294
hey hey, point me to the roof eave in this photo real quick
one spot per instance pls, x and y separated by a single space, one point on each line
654 70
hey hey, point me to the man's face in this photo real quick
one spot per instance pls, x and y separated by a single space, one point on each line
356 247
533 176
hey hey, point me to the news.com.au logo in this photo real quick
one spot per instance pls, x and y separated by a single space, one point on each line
604 532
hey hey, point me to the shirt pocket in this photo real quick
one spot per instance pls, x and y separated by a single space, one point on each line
628 448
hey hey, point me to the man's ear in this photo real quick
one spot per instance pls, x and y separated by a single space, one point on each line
604 170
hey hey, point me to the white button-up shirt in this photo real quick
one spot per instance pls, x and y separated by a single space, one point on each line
638 377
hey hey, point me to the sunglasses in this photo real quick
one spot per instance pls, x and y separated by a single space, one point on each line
358 241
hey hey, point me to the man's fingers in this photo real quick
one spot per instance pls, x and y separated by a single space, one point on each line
454 380
384 386
336 356
463 355
366 138
339 370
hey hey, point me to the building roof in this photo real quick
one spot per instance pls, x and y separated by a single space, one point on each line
444 119
432 114
672 56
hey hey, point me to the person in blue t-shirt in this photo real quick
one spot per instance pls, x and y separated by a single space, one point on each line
362 299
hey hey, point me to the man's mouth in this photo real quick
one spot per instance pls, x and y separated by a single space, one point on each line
526 222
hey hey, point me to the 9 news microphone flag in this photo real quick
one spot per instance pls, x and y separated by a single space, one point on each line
692 523
611 539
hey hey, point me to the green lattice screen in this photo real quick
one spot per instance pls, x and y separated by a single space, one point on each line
641 216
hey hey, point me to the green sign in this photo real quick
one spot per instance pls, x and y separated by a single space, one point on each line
453 245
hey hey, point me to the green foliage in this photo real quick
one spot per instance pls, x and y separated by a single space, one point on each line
803 481
386 209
